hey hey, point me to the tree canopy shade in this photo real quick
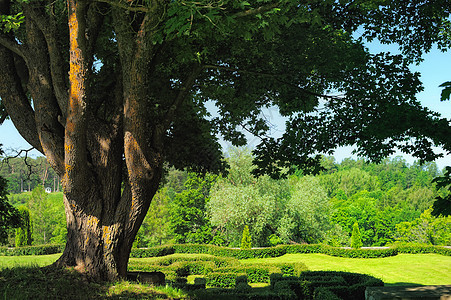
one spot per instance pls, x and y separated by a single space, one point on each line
109 90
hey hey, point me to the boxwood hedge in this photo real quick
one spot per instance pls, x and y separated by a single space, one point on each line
276 251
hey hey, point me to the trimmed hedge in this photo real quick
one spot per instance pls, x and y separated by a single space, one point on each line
276 251
32 250
237 294
218 251
223 280
311 285
344 285
420 249
182 265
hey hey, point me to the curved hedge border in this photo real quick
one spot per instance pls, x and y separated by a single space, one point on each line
265 252
32 250
245 254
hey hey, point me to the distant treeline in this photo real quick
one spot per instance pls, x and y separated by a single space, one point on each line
25 174
389 201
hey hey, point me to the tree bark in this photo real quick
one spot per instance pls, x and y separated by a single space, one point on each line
89 153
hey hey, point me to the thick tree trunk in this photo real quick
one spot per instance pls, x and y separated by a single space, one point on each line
90 151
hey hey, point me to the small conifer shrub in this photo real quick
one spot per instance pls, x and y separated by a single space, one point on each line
246 242
356 240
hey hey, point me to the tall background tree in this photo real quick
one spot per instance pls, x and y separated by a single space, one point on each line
110 90
9 216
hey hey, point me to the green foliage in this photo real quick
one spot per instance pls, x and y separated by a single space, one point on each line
426 229
306 215
356 241
442 204
24 232
241 199
155 228
224 280
11 22
188 219
274 240
24 174
422 248
9 217
246 242
47 216
446 92
265 252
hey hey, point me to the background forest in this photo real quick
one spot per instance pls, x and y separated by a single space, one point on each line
390 202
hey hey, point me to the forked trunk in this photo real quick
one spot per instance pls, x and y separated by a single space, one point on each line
100 232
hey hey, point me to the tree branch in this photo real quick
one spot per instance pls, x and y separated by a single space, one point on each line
49 30
16 102
12 46
184 90
273 76
258 10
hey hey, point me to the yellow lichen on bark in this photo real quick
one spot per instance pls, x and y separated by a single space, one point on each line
106 237
92 221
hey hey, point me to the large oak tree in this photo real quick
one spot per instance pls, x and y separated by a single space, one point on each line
110 90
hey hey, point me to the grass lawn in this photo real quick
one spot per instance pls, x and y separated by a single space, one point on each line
27 260
402 269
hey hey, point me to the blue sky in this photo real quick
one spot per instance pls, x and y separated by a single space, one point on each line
435 69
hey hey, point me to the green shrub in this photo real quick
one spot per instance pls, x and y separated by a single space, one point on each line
356 240
182 268
224 280
274 240
344 285
257 274
240 294
274 277
325 294
359 253
152 252
24 232
246 242
422 248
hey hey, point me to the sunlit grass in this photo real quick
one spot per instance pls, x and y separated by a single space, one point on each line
402 269
27 260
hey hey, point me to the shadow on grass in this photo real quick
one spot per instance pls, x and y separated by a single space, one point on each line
56 283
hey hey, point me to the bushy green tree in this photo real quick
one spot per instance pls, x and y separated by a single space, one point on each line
189 222
306 213
241 199
246 240
155 229
9 216
42 215
427 229
356 241
24 232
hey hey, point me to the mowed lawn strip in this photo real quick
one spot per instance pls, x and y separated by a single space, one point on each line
402 269
28 260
